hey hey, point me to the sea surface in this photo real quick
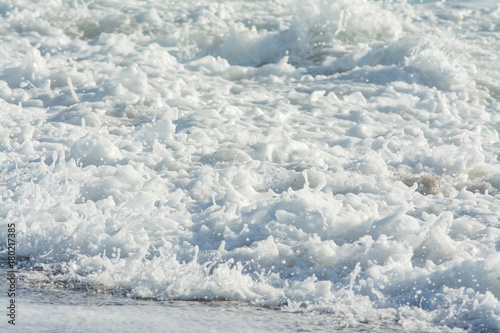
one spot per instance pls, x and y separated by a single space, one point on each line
251 166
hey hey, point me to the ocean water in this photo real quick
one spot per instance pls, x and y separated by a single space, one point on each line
277 165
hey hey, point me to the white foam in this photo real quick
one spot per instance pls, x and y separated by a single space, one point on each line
332 156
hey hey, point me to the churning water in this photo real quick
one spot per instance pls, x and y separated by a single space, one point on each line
337 159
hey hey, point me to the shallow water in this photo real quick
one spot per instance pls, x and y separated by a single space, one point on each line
338 159
70 307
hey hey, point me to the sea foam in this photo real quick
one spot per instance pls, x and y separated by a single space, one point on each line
332 156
